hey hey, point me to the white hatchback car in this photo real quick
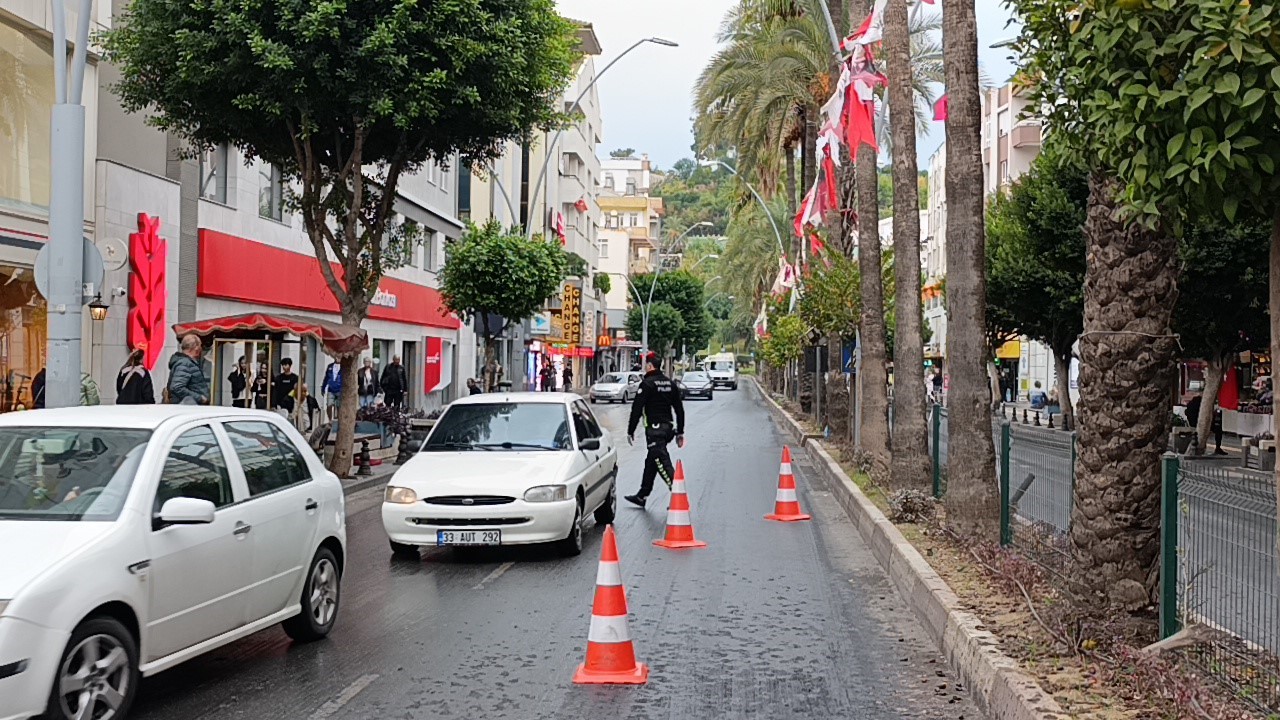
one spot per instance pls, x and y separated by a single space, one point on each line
138 537
505 469
616 387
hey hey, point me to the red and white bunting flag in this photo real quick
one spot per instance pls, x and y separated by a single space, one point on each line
807 208
859 122
830 193
871 30
941 109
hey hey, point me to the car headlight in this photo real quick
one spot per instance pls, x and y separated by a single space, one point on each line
546 493
401 495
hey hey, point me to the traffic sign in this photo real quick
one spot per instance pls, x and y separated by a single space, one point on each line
92 276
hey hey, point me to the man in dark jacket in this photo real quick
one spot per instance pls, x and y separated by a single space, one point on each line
284 386
187 382
394 383
367 384
658 403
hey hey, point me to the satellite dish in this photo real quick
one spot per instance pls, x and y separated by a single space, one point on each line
115 255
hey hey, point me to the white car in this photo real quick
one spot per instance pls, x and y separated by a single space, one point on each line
616 387
505 469
138 537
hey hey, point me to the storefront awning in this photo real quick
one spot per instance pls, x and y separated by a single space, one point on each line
337 339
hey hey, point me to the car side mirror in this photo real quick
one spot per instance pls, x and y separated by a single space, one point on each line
186 511
589 444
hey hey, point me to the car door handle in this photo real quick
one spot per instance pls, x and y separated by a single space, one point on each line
242 529
312 504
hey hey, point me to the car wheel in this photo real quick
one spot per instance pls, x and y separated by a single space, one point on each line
402 550
733 386
571 546
98 674
320 597
609 508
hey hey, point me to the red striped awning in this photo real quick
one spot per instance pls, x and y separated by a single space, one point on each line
337 339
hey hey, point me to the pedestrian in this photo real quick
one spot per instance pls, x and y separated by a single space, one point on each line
37 390
284 386
331 386
658 402
187 382
548 376
260 386
89 394
937 385
1038 398
473 387
568 377
239 381
394 383
367 384
133 384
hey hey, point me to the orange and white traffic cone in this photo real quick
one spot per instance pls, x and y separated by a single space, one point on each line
679 529
786 508
611 658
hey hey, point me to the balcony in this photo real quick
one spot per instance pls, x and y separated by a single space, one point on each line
1026 135
640 267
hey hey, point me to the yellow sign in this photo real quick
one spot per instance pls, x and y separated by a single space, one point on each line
571 314
1011 350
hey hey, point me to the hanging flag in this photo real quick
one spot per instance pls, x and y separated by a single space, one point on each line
581 205
831 193
941 108
560 228
859 122
816 246
871 30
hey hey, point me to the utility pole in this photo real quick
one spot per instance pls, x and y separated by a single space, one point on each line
66 209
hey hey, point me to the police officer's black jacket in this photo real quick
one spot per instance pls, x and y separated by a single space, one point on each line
658 401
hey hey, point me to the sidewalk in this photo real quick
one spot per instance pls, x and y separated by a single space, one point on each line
381 474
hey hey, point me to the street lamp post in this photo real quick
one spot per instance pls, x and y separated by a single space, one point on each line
776 233
653 282
542 176
66 208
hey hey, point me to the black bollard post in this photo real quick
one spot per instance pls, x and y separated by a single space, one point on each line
366 468
1037 422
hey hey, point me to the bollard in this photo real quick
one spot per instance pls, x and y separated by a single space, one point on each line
366 468
1025 421
1006 529
1037 422
1050 421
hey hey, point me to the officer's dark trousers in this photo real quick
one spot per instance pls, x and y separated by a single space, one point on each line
658 460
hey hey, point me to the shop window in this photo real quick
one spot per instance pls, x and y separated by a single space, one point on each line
215 168
271 192
26 96
23 337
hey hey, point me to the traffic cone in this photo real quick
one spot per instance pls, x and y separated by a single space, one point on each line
786 508
611 658
679 529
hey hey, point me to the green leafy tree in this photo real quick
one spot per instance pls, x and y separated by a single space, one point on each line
622 153
720 307
830 303
1222 300
666 326
785 341
602 282
1035 260
346 100
686 294
491 273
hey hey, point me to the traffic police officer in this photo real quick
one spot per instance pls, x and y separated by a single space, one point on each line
658 402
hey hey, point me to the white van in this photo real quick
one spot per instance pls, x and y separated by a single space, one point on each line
723 369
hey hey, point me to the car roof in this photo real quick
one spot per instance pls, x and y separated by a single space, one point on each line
540 398
140 417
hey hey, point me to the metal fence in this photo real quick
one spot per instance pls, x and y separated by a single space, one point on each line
1218 544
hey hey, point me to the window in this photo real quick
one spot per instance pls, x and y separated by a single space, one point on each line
271 192
68 474
269 460
26 93
631 186
196 469
608 180
635 220
500 426
584 424
431 250
1004 171
604 247
214 169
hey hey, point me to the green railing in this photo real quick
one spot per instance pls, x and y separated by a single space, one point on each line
1218 544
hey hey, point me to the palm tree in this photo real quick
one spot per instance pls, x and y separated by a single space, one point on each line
909 465
973 503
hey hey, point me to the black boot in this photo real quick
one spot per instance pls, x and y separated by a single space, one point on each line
635 500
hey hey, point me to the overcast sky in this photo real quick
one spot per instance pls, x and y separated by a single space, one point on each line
647 97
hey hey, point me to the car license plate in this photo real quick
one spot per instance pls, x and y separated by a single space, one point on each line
468 537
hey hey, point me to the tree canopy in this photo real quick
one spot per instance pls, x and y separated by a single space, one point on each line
493 272
666 325
831 301
686 294
1222 295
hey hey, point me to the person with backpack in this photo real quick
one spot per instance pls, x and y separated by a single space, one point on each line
187 382
133 384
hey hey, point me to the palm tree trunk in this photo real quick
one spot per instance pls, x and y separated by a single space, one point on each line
910 463
1126 370
790 169
973 502
873 394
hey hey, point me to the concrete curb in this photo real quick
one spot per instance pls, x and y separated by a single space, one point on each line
355 485
995 682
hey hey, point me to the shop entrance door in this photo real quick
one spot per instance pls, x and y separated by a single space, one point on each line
242 373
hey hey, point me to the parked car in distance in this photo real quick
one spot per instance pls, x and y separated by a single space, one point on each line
151 534
616 387
504 469
696 384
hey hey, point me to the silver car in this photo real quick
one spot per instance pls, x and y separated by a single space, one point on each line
616 387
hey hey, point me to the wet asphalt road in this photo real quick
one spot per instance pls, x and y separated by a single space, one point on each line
771 621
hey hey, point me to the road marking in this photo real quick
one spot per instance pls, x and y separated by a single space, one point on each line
328 709
497 573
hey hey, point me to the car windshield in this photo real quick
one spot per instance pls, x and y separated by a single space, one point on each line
720 365
613 379
694 377
501 426
67 473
